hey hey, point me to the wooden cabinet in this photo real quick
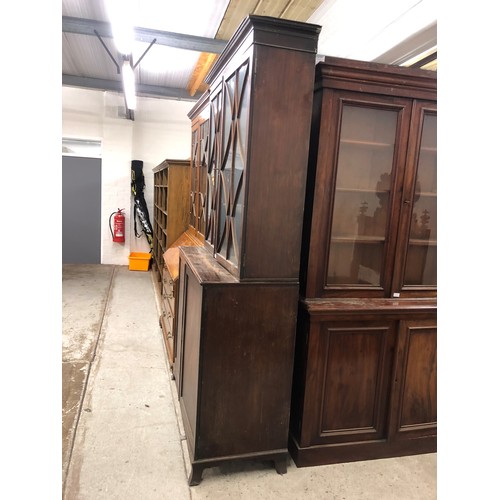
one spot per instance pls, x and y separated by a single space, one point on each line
371 215
365 372
170 292
238 296
257 159
200 128
171 210
365 382
171 207
234 364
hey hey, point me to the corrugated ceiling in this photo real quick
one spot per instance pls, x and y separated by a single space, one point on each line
180 42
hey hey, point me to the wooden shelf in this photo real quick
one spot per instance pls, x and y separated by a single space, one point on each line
358 239
362 190
367 144
418 242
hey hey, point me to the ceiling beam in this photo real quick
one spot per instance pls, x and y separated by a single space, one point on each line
82 26
141 89
205 62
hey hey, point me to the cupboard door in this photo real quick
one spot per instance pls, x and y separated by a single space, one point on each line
365 161
361 207
415 386
189 351
202 176
195 159
232 165
347 391
214 159
416 272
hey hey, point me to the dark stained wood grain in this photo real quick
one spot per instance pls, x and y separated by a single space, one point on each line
365 376
271 117
239 293
236 361
170 220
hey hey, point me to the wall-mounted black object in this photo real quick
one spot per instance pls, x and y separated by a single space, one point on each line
140 206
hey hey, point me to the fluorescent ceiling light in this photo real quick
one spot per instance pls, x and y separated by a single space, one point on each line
160 58
121 14
420 56
129 85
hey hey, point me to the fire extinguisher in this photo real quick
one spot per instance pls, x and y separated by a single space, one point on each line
119 226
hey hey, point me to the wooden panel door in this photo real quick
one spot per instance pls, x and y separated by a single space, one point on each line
189 351
414 402
348 380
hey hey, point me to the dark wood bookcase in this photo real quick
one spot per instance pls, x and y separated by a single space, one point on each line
171 207
260 118
171 210
365 367
238 295
200 129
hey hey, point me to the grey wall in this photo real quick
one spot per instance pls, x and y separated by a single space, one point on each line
81 210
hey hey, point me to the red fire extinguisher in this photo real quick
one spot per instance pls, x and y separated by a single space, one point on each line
119 226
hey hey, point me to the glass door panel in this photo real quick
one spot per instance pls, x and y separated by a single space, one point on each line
421 261
226 169
240 155
202 207
233 164
362 195
213 167
194 177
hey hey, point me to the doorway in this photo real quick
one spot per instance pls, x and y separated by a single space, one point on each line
81 210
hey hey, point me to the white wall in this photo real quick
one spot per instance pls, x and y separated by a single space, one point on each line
161 129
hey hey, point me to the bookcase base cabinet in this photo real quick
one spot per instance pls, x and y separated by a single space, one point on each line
234 364
365 381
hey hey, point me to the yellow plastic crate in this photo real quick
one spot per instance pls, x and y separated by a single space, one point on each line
138 261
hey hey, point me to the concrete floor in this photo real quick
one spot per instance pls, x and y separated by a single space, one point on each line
122 433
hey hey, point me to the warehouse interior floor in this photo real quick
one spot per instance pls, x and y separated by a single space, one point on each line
122 436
